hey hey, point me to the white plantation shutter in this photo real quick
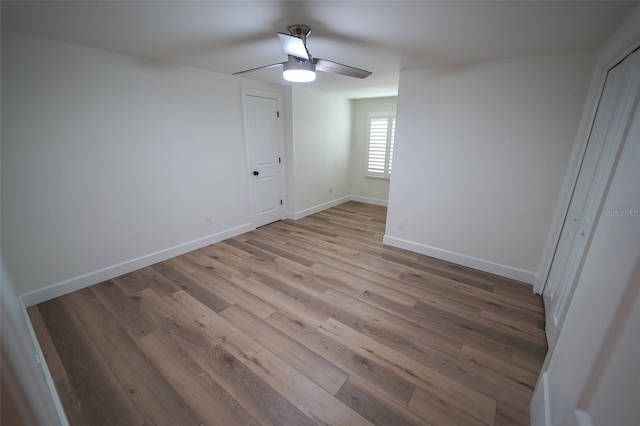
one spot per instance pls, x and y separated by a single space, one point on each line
392 136
382 129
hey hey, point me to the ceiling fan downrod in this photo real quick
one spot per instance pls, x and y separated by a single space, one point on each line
300 31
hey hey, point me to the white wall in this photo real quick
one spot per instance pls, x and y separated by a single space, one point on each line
364 188
21 375
321 150
481 152
287 124
108 158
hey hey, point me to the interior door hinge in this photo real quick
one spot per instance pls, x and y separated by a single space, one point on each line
278 114
280 202
279 160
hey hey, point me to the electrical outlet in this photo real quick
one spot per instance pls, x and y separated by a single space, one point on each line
209 220
401 225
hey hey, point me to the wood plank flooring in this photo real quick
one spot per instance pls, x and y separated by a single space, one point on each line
297 323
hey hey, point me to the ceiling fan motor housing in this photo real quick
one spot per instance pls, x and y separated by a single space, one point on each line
300 31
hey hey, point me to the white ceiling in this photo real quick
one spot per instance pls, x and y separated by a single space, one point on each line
384 37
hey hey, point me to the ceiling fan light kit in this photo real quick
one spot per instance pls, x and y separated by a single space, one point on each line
299 71
301 66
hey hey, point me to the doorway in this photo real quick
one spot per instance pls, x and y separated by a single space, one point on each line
263 135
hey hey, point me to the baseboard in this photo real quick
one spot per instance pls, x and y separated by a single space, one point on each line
461 259
315 209
59 289
368 200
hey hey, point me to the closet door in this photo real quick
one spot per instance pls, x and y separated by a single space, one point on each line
618 100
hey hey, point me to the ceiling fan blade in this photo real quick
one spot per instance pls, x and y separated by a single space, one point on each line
294 46
336 68
260 68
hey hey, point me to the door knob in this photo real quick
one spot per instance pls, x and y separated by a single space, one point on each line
581 233
255 173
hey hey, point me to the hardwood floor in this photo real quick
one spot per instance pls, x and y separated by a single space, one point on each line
298 322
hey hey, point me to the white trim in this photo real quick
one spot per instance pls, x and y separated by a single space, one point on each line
624 41
464 260
61 288
368 200
540 402
387 178
318 208
40 359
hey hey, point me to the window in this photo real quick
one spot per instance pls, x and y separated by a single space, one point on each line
382 129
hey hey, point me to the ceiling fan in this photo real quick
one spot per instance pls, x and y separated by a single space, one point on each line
301 66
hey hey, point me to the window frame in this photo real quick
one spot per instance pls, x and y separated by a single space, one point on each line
390 141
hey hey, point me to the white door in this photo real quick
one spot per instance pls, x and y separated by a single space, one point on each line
263 143
616 105
592 377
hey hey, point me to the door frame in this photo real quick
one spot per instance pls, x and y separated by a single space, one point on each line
614 51
282 170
